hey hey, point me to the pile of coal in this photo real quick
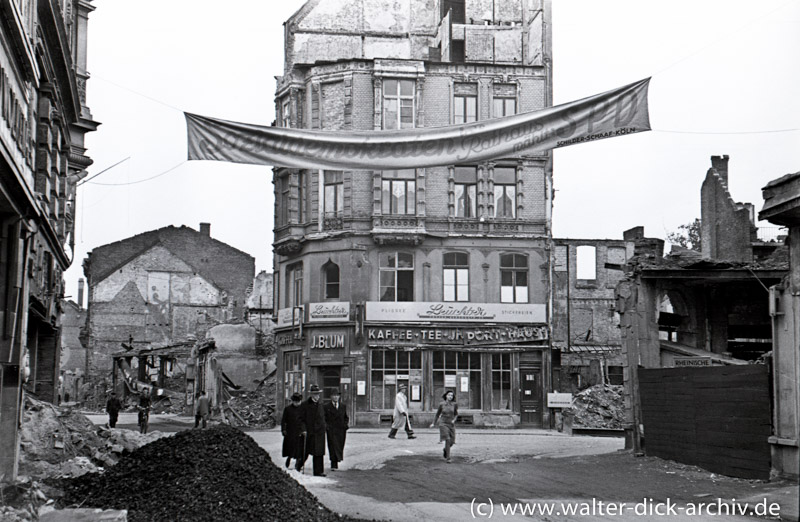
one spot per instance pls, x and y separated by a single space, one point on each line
210 474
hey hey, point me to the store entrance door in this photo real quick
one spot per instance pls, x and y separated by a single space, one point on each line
328 378
531 398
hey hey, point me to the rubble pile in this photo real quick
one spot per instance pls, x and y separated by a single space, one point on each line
22 500
600 406
255 408
214 474
60 442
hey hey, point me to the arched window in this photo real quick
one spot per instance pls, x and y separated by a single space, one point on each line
330 272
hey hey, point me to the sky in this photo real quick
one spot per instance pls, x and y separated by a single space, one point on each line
724 79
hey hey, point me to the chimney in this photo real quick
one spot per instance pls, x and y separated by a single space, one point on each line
80 293
205 228
720 164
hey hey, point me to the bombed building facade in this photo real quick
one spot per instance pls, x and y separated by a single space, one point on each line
161 288
437 278
43 120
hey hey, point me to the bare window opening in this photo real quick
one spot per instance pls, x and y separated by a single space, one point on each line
331 273
587 263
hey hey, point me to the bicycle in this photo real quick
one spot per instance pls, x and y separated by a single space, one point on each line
144 419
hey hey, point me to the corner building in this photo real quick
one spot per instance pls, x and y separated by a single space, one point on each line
433 277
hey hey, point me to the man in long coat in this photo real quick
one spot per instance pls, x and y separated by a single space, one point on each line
113 405
314 423
336 422
400 419
292 429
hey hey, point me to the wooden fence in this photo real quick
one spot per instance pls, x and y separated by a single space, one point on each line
717 418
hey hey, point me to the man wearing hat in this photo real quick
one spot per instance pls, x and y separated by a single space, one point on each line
336 424
314 422
292 429
401 413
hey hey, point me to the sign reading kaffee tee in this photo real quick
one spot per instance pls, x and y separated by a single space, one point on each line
456 312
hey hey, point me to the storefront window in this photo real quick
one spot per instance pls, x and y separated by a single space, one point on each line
293 373
501 381
459 372
390 367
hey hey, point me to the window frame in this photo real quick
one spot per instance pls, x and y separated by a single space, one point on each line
505 372
401 101
294 285
413 363
328 284
337 196
441 367
514 271
405 178
458 270
396 269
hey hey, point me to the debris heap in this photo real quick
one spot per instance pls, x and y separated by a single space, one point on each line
600 406
60 442
213 474
255 409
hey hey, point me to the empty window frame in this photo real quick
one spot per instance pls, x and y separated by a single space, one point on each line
586 263
455 276
396 276
504 100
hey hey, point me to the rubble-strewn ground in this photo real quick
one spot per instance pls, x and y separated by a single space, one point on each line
256 408
600 406
206 474
61 442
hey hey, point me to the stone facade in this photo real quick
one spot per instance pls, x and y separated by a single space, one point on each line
471 239
161 288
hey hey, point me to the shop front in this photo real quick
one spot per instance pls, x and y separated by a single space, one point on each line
496 369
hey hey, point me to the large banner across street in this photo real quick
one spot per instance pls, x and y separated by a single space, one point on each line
614 113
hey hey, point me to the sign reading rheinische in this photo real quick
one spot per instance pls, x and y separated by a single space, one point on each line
691 362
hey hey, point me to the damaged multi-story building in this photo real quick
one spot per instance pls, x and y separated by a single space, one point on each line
160 288
43 120
437 278
695 327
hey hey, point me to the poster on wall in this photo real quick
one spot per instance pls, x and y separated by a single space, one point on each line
464 384
362 387
416 396
449 381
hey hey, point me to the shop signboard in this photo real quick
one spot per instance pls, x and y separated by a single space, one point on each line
691 362
455 312
285 316
463 336
329 312
559 400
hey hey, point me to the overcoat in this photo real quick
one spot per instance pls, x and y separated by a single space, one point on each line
336 421
314 423
400 411
291 428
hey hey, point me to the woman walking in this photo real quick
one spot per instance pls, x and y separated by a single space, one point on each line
448 412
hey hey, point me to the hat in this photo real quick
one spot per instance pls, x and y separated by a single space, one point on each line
335 391
297 397
402 386
314 389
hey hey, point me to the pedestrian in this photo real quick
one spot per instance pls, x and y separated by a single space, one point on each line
447 413
291 429
112 408
336 421
201 409
314 430
144 410
400 419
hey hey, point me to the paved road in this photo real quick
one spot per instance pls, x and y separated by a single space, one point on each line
408 479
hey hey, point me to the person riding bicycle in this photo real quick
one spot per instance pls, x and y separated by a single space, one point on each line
144 410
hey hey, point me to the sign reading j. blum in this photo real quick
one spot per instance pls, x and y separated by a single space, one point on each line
618 112
455 312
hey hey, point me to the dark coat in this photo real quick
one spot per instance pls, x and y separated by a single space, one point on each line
314 424
291 428
336 422
113 405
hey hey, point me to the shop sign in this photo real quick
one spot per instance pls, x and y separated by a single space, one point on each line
287 339
328 312
457 336
328 341
691 362
456 312
558 400
285 316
